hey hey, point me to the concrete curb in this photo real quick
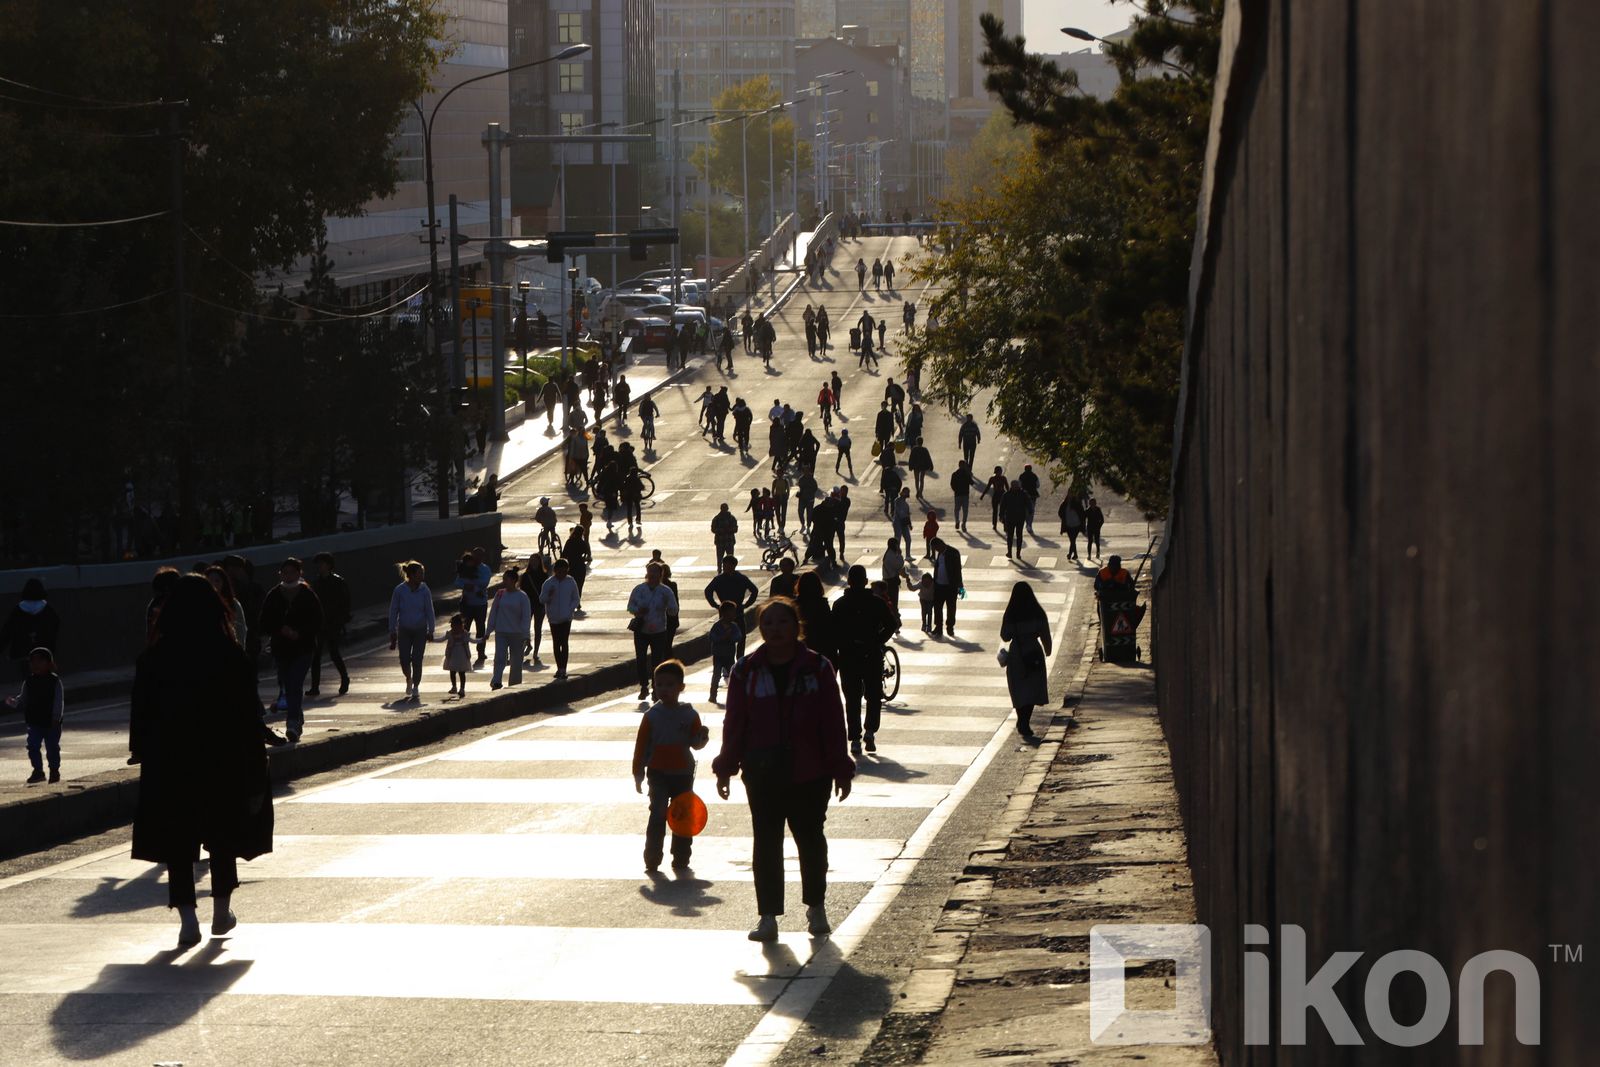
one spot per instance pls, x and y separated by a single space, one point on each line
79 695
911 1022
675 378
105 801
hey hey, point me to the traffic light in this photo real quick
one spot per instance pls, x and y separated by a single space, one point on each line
639 240
556 244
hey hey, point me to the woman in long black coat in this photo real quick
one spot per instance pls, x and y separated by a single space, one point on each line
1026 626
196 731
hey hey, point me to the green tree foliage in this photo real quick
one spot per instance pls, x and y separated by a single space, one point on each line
727 142
727 231
288 114
981 164
1065 286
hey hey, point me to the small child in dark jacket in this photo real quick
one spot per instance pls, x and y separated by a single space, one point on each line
662 752
43 705
727 644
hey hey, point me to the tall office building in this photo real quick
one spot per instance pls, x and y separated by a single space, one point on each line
611 89
383 251
927 49
963 43
886 22
716 45
816 18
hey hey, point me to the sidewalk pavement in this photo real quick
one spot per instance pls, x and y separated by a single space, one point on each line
1092 835
97 793
531 439
529 443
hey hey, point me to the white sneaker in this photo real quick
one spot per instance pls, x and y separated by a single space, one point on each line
766 930
817 921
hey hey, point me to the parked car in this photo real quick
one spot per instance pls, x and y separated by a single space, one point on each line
648 332
684 314
624 304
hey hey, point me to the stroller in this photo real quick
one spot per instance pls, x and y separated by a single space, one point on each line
855 338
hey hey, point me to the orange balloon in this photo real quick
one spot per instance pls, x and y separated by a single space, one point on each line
686 815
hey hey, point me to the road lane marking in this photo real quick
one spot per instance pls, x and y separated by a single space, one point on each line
765 1043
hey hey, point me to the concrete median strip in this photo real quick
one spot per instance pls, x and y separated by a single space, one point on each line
101 802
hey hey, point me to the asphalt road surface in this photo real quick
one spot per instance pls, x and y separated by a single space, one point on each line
484 901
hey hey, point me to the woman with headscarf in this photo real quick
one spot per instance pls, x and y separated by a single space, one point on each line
784 734
32 624
196 730
1027 674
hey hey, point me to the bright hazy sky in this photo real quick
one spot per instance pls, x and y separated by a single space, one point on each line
1042 21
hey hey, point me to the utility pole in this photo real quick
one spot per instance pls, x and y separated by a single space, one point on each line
186 489
456 367
494 137
705 180
672 139
744 161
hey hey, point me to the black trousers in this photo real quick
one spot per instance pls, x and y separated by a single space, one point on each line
1013 537
538 626
180 880
803 512
648 652
330 643
803 807
944 600
561 643
862 679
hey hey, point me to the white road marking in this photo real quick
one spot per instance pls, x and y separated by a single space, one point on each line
766 1042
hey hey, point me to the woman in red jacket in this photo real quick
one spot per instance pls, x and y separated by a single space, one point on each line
784 729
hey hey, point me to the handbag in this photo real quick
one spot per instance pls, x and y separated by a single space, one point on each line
636 624
1003 656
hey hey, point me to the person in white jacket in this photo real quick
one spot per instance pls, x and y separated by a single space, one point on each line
559 595
511 622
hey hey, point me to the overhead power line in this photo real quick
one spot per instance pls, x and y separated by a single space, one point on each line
78 225
87 101
85 311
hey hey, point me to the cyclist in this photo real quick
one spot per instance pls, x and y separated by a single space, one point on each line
825 404
549 541
647 417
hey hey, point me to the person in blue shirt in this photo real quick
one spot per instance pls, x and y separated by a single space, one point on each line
473 578
411 623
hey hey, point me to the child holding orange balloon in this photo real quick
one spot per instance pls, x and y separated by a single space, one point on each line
663 756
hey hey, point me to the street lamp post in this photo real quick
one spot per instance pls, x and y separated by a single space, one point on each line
427 121
1084 35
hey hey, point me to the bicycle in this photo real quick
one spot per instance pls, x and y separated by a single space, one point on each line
649 433
891 673
549 543
646 483
776 550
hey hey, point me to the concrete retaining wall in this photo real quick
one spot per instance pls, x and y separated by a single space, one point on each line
1375 643
109 799
747 276
102 605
